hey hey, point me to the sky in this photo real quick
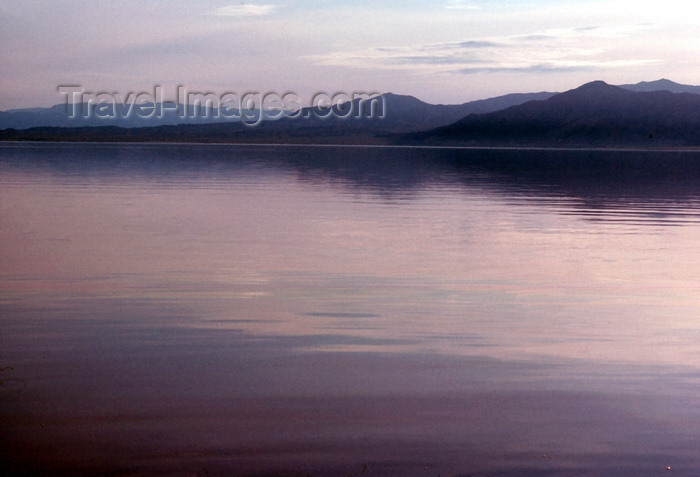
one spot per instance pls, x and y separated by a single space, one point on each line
441 51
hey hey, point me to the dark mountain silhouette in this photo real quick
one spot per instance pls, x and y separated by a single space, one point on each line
86 115
409 113
593 114
661 85
401 114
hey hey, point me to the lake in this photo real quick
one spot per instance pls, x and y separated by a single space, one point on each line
216 310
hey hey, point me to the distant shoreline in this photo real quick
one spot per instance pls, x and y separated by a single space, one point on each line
595 115
361 145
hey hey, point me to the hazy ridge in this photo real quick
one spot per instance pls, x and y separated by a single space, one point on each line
650 114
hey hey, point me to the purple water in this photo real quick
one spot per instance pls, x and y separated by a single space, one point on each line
293 311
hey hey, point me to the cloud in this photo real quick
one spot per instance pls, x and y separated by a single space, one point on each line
468 44
537 68
433 60
460 5
556 67
244 10
465 53
560 50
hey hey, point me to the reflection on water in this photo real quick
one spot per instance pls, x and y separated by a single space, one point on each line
229 310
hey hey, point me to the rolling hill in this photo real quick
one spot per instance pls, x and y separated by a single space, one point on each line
593 114
646 114
401 114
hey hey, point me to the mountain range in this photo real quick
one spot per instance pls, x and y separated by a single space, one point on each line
593 114
650 114
400 113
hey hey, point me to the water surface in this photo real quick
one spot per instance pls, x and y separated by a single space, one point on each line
234 310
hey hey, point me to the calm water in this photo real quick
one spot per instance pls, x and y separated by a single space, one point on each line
321 311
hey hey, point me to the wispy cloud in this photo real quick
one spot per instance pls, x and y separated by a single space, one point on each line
540 51
244 10
468 44
537 68
554 67
461 5
435 60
